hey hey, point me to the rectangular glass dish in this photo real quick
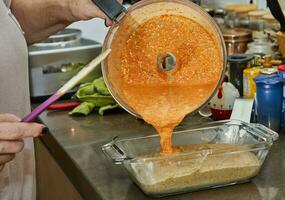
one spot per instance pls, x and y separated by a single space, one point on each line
213 154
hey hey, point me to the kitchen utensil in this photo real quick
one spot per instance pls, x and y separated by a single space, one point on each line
269 98
237 63
277 13
136 15
223 101
57 59
67 86
236 40
190 171
63 106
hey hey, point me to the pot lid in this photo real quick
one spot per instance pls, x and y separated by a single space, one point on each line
268 79
237 34
68 36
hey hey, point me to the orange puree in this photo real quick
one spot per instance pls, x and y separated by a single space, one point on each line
164 99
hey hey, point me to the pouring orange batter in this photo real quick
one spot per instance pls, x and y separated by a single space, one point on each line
164 98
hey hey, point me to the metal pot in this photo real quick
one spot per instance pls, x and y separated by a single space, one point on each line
236 40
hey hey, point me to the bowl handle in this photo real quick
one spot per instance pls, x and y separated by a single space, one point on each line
112 8
113 152
266 131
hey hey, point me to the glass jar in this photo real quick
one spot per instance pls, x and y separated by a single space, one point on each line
242 20
238 15
270 23
256 23
219 16
230 16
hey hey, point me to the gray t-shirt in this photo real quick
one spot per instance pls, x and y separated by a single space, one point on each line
16 179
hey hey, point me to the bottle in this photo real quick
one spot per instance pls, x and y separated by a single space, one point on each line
249 87
269 98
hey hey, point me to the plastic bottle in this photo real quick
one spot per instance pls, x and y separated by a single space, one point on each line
269 98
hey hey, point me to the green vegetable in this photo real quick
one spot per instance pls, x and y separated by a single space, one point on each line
84 108
94 95
105 108
100 86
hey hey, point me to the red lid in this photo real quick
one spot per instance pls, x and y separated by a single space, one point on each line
281 68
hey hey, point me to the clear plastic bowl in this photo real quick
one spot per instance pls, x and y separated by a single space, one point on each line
137 14
222 153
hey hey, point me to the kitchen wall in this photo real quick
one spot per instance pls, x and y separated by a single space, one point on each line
96 30
282 3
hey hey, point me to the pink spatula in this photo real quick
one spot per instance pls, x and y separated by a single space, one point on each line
67 86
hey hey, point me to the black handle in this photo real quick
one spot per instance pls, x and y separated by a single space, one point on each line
112 8
276 11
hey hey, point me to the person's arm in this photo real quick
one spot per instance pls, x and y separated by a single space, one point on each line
12 133
42 18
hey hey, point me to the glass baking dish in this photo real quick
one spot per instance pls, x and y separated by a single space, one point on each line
213 154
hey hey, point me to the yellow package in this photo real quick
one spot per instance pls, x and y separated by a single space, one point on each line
249 87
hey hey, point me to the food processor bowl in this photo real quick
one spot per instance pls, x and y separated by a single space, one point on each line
136 15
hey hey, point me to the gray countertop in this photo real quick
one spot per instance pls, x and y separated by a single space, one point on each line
76 144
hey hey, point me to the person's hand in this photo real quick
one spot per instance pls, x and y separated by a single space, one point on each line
86 9
41 18
12 133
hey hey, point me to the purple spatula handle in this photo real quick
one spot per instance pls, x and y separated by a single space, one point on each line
42 107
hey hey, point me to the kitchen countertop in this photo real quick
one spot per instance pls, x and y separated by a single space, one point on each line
76 144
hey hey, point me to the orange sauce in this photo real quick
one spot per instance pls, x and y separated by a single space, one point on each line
164 99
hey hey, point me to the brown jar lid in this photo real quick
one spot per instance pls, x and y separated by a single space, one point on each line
269 18
258 13
241 8
237 35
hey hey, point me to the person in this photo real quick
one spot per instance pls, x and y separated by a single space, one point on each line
24 22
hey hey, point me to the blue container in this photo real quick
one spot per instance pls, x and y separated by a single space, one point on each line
269 97
282 74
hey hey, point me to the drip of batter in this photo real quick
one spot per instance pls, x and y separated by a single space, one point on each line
162 98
